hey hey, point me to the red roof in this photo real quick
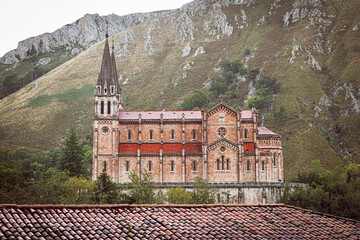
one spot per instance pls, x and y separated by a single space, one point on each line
246 114
265 131
167 115
171 222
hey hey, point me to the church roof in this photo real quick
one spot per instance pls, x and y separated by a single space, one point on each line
108 72
171 222
156 115
265 131
245 114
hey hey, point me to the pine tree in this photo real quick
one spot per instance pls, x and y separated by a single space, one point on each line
72 155
105 190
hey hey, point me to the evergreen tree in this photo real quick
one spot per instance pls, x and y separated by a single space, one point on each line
72 155
105 190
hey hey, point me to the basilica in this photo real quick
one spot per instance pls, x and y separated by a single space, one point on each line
221 144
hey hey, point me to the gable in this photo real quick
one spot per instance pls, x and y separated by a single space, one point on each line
221 114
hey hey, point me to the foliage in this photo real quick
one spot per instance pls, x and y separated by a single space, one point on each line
266 87
197 100
178 196
72 156
202 192
141 188
336 193
105 190
78 190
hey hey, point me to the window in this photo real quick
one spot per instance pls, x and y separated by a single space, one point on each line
218 164
149 166
109 107
172 134
221 132
245 133
129 135
104 90
151 135
194 166
112 89
227 164
172 166
104 166
102 107
263 166
99 89
221 117
222 163
248 165
193 134
274 159
127 166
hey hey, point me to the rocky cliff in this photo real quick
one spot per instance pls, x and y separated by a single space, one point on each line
310 46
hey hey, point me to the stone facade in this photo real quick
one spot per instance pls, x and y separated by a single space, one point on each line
222 145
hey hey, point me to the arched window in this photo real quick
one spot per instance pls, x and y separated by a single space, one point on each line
193 134
172 134
102 107
149 166
248 165
151 135
109 107
194 166
104 166
263 166
172 166
105 90
245 134
222 163
227 164
127 166
274 159
129 135
218 164
112 89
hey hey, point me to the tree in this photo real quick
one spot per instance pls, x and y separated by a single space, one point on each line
141 189
178 196
197 100
77 190
72 155
105 190
202 192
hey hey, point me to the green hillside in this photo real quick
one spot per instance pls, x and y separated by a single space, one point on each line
315 58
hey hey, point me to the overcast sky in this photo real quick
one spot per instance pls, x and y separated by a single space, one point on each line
21 19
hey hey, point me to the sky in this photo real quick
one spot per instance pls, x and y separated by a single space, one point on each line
21 19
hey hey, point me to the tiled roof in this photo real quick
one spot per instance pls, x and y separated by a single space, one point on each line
265 131
150 115
171 222
245 114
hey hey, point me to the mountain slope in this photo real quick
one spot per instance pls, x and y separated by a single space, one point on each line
311 47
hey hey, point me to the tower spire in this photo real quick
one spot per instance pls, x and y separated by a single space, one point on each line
107 29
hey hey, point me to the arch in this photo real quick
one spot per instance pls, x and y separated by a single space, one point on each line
151 134
102 107
104 167
129 135
108 107
127 166
263 166
245 133
217 164
227 164
194 166
248 165
172 135
149 166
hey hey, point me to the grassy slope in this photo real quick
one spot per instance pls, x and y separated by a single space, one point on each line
40 119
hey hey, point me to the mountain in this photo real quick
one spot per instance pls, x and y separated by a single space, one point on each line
311 46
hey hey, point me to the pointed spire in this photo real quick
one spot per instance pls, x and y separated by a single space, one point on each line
107 29
105 74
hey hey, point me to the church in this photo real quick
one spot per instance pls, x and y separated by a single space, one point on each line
222 145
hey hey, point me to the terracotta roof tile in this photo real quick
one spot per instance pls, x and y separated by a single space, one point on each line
171 221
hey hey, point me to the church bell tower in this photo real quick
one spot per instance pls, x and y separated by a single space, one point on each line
106 125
